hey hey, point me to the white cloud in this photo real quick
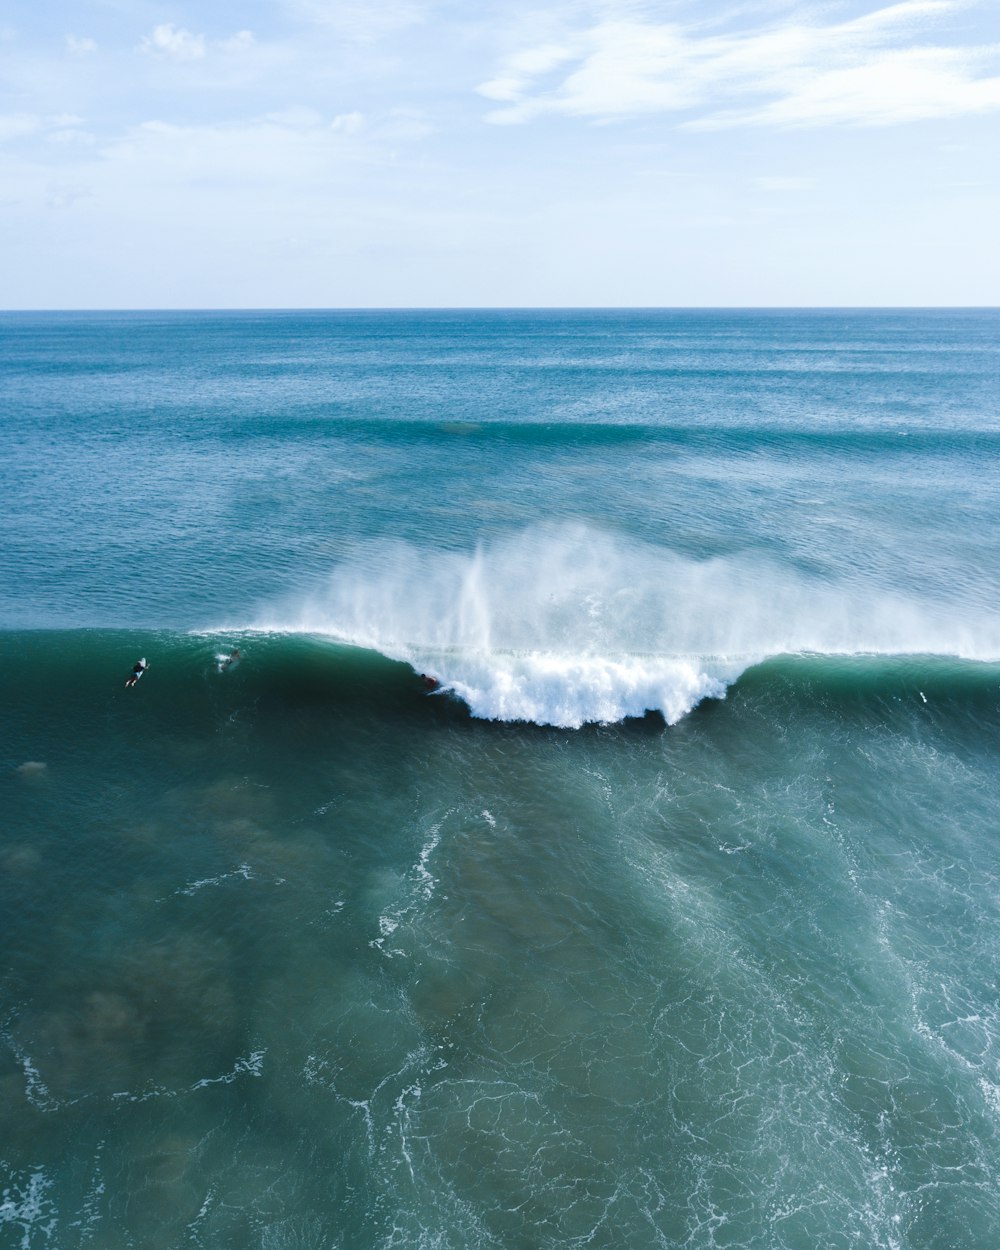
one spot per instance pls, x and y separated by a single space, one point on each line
522 66
905 86
17 125
347 123
170 41
80 46
240 42
877 69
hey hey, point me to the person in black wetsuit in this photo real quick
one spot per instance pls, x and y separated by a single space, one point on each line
137 671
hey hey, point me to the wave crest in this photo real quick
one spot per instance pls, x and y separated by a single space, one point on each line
570 692
565 625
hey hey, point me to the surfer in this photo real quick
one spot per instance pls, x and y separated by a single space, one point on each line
138 669
231 660
430 683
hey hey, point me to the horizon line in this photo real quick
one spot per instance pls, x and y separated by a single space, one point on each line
382 308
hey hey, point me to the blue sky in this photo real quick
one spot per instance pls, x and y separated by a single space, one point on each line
337 153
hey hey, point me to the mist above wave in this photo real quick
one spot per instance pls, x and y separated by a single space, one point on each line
566 625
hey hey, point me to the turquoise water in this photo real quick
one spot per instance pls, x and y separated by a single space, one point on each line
668 920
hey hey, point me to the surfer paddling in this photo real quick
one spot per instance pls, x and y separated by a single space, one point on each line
137 671
230 661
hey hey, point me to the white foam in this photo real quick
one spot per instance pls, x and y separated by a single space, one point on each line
35 1089
565 625
570 691
424 884
991 1095
252 1065
244 871
27 1207
427 878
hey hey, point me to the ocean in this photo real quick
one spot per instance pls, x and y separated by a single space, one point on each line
596 842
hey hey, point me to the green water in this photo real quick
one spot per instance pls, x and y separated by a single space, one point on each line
324 962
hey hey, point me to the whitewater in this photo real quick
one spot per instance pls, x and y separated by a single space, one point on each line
568 625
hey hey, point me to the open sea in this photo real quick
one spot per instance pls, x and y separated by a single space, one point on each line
669 918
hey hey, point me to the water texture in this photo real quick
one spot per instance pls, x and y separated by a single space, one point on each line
666 918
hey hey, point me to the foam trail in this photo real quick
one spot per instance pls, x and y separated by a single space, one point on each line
565 625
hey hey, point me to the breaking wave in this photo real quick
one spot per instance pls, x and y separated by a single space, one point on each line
567 625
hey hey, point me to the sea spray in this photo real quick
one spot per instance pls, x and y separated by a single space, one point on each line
569 624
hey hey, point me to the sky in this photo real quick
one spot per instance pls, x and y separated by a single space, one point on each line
560 153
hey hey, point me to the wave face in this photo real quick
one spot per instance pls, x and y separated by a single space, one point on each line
81 673
568 625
